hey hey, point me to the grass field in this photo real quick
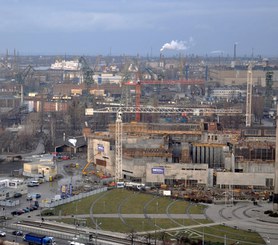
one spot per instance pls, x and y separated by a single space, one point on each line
129 202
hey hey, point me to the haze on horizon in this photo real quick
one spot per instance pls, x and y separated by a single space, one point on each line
144 27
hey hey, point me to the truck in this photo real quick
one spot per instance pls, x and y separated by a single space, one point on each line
34 239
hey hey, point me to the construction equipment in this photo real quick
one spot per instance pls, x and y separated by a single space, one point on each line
139 83
84 170
149 109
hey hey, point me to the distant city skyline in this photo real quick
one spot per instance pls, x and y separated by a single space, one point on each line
144 27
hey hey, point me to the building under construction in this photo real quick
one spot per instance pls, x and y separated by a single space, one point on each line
201 154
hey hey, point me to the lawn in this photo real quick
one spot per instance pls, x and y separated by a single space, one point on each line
129 202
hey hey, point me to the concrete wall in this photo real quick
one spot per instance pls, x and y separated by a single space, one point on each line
256 167
243 179
184 172
100 153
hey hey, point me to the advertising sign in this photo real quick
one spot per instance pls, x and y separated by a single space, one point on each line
158 170
100 148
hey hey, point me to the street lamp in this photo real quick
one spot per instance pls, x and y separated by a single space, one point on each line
97 225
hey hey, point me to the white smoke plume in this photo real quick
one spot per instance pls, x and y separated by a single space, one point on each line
178 45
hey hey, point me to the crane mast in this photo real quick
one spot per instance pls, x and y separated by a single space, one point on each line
249 96
118 147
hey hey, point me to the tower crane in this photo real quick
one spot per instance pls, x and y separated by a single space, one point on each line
249 96
139 83
147 109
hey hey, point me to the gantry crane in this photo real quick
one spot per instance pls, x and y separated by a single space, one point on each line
148 109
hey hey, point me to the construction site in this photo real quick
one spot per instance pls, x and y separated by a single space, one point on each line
156 122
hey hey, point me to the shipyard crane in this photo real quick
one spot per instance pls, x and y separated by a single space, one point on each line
21 78
148 109
87 72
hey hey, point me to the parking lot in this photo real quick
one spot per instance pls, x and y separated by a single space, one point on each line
47 191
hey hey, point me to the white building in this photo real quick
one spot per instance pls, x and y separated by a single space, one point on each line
8 187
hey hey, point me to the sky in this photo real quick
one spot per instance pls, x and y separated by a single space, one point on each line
140 27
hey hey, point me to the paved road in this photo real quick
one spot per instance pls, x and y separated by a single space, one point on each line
246 216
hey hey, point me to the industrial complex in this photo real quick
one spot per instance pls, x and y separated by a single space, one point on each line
201 129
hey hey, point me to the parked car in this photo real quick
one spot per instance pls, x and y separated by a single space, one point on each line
2 233
16 195
34 207
33 183
20 211
17 233
65 157
37 195
26 210
17 212
29 198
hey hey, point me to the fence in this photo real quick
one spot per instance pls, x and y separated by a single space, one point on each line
55 203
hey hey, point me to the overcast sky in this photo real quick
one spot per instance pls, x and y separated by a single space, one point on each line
144 27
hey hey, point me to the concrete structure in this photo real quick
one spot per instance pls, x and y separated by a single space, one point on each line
237 76
40 167
186 174
245 180
100 154
162 154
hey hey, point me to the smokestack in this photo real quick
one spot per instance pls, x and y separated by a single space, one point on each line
235 51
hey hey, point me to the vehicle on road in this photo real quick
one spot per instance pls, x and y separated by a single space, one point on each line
33 238
17 233
2 233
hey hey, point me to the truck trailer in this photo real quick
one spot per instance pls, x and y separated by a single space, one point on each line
34 239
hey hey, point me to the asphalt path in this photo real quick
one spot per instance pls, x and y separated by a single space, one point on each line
247 216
